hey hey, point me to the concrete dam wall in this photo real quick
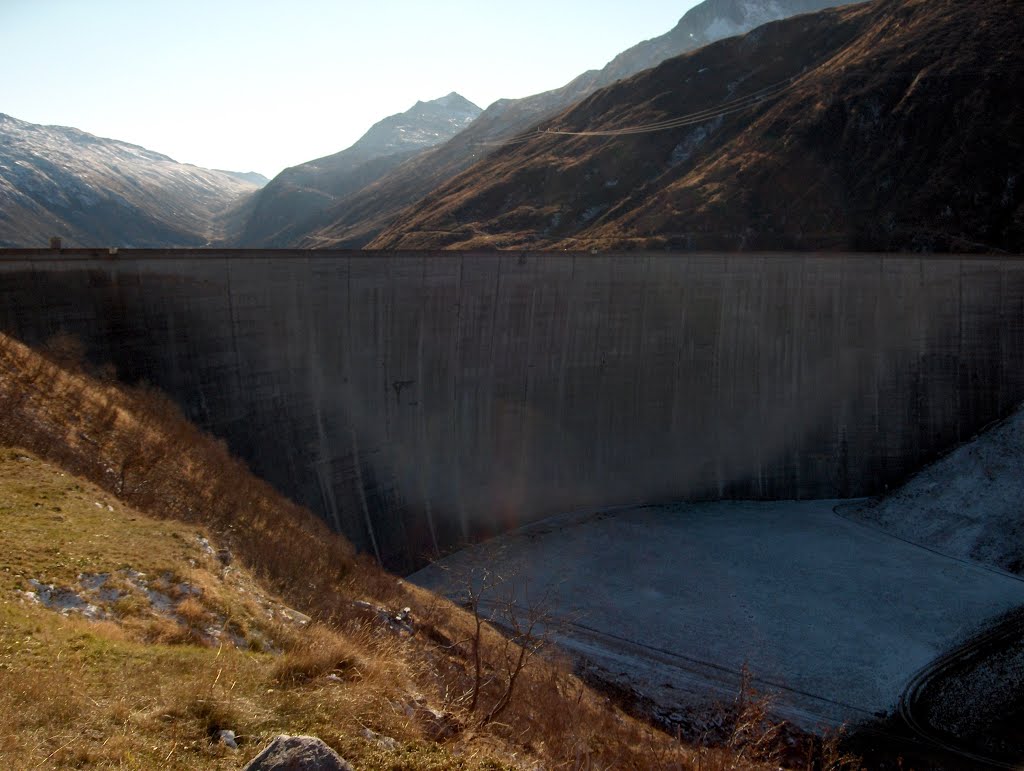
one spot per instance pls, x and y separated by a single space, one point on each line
416 400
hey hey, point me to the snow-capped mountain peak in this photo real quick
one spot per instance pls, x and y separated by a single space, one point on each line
58 180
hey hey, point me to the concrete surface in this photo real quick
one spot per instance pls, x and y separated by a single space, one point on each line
419 399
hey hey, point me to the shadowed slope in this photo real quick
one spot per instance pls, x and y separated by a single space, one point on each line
59 181
891 126
354 221
280 213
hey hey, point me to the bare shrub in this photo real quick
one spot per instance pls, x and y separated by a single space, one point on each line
829 754
497 661
754 735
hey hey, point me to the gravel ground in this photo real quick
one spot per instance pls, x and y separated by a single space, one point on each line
830 616
980 702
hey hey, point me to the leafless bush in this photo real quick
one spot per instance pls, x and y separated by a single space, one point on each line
508 629
755 734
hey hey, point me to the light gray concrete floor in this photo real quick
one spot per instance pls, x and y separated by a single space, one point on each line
830 616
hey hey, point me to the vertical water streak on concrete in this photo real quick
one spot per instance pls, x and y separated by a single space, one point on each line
392 349
716 392
200 391
758 318
422 443
684 343
491 434
567 314
454 407
528 418
879 352
491 348
172 345
840 440
637 406
384 348
358 464
229 291
602 355
322 464
796 367
351 409
1004 404
960 344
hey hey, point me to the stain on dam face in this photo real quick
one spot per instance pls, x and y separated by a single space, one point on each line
419 400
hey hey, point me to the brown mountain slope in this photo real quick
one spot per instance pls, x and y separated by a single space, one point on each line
896 126
277 215
355 220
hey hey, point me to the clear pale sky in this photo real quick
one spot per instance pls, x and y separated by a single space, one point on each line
253 85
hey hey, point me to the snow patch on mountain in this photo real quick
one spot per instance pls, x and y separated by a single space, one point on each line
705 23
58 180
423 125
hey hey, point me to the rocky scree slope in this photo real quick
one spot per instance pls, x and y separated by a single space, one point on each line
892 125
279 213
90 191
968 504
354 221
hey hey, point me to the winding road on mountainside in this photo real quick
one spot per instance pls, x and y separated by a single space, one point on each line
914 700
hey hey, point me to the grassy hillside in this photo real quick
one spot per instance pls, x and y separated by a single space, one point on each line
129 637
125 642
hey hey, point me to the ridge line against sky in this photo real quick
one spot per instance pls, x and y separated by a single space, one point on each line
258 86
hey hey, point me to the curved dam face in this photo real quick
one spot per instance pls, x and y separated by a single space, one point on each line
418 400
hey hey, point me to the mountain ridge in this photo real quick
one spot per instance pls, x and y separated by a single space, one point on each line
857 154
90 190
274 214
353 221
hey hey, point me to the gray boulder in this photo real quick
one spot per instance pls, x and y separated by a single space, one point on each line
298 753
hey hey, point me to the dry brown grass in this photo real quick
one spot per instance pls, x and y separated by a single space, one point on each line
318 652
147 681
135 443
192 611
133 690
